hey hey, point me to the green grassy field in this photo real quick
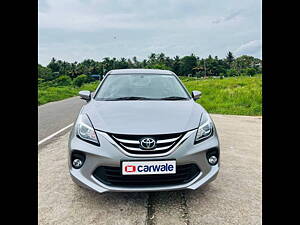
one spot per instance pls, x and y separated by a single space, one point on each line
234 95
51 94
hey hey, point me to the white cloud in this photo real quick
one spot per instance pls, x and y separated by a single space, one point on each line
250 48
231 16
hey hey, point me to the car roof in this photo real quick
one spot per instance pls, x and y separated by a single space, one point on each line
139 71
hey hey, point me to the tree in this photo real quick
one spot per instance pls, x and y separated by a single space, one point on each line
158 66
161 58
136 63
122 64
244 62
107 64
144 63
176 65
152 59
45 73
187 65
229 58
53 65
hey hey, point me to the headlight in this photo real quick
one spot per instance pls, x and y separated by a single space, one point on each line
205 129
85 130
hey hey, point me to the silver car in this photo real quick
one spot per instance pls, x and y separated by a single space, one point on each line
142 131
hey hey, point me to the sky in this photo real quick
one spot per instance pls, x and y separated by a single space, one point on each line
74 30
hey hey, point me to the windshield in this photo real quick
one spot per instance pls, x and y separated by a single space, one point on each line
141 87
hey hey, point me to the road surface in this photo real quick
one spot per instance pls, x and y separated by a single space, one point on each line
54 116
235 197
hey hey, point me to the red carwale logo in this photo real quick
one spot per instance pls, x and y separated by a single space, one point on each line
130 168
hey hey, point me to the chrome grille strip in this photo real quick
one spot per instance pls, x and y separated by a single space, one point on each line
167 140
130 148
163 148
139 149
127 141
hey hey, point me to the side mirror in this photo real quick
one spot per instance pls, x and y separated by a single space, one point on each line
86 95
196 95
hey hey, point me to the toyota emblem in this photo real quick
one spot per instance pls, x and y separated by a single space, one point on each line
147 143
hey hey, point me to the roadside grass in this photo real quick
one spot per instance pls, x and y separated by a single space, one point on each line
234 95
51 94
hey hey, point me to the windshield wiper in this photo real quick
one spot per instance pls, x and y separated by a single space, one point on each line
174 98
127 98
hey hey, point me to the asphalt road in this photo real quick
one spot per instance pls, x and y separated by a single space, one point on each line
235 197
54 116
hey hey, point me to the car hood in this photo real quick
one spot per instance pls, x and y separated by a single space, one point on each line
143 117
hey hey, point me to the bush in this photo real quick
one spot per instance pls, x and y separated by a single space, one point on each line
248 72
80 80
231 73
40 80
46 84
62 81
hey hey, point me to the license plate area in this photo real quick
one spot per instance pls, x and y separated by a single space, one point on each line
148 167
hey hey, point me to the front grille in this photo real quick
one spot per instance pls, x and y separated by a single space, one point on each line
113 176
131 143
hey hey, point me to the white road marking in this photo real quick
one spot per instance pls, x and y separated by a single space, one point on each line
54 134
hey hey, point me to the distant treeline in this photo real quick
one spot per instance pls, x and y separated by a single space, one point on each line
62 72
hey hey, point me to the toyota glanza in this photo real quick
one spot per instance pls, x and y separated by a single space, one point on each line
142 131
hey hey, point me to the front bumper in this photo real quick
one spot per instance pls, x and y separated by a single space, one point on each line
110 154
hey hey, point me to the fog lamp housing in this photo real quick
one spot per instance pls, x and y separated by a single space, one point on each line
212 156
77 159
